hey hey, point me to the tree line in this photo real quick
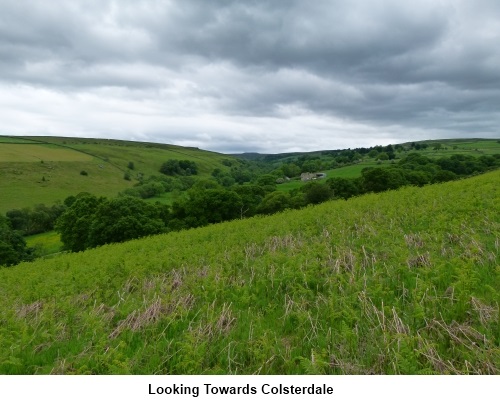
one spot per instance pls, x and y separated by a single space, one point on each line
86 221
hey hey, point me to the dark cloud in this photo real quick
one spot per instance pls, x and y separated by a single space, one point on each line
251 75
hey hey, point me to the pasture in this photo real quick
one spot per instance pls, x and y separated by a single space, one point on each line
45 170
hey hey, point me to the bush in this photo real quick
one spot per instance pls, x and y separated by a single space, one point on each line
84 173
12 245
91 221
174 167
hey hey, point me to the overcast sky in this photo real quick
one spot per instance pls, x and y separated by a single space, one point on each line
252 75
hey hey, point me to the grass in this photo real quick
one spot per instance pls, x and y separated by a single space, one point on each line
402 282
352 171
27 184
49 171
14 139
45 243
39 153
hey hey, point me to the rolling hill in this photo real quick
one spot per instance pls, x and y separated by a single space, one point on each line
400 282
36 170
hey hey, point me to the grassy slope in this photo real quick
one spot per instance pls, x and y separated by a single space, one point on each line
406 281
49 170
473 147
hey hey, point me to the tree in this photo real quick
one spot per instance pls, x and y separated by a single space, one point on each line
74 224
380 179
40 219
209 206
312 165
316 193
122 219
291 170
174 167
170 167
267 180
251 196
344 188
275 202
383 156
12 245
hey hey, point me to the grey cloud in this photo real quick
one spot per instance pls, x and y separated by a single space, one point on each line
238 72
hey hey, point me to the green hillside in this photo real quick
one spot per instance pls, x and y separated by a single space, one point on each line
434 149
401 282
36 170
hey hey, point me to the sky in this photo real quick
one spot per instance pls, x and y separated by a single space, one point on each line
266 76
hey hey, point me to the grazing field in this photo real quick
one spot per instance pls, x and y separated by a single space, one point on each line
401 282
46 243
39 153
27 184
35 170
15 140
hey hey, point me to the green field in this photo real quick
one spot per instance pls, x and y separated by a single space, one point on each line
46 170
45 243
14 140
402 282
473 147
39 153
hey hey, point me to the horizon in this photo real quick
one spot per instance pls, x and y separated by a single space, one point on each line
249 152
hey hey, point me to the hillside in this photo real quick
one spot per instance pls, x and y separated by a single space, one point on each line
36 170
434 149
403 282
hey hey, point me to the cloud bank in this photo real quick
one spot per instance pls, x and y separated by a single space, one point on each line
239 76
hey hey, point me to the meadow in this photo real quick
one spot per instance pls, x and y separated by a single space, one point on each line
45 244
400 282
45 170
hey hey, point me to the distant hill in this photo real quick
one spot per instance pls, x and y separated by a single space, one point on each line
472 146
37 170
400 282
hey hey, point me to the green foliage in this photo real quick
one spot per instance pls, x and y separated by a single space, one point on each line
12 245
93 221
275 202
344 187
251 196
75 223
208 206
267 180
174 167
401 282
316 193
37 220
122 219
379 179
